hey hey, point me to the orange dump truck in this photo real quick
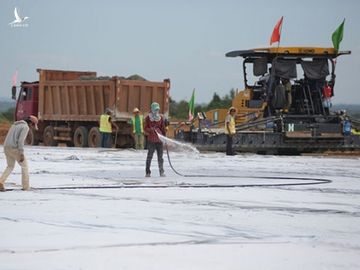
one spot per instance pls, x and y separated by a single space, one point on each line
69 104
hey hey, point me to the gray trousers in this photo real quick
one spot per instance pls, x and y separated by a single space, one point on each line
158 146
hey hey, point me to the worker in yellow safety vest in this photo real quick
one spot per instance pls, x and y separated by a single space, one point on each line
106 128
137 122
355 131
230 130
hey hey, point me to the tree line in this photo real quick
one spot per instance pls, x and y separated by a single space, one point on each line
180 110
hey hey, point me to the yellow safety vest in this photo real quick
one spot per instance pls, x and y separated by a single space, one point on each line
105 125
231 126
141 123
355 132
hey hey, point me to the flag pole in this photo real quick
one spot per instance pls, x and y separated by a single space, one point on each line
337 45
191 115
280 30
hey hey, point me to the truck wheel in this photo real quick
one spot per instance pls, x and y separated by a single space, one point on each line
31 138
48 136
81 137
94 137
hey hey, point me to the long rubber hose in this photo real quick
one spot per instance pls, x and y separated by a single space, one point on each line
310 181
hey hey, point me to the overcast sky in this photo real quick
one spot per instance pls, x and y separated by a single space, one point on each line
185 41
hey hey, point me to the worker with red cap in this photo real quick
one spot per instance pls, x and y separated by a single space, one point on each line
14 150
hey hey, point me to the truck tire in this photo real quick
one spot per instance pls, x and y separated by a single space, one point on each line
94 137
31 138
48 136
81 137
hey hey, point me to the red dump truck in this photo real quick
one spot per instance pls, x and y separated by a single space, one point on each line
69 104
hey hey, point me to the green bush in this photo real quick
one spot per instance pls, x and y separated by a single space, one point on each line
7 116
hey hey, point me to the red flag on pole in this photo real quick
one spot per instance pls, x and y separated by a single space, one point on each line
275 37
14 78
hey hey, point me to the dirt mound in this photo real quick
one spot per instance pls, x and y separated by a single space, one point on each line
4 127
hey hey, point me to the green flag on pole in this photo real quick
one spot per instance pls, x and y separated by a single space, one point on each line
337 36
192 106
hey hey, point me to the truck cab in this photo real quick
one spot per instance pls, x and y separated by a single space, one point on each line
27 102
26 105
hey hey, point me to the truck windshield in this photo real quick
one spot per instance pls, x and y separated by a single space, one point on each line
25 94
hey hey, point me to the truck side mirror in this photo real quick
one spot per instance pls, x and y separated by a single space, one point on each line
13 92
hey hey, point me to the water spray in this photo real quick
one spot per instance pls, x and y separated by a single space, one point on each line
191 149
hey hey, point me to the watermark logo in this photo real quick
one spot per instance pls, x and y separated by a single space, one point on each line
19 21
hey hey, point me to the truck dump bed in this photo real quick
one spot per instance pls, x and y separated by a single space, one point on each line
80 96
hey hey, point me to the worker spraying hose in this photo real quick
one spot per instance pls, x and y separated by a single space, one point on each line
154 124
